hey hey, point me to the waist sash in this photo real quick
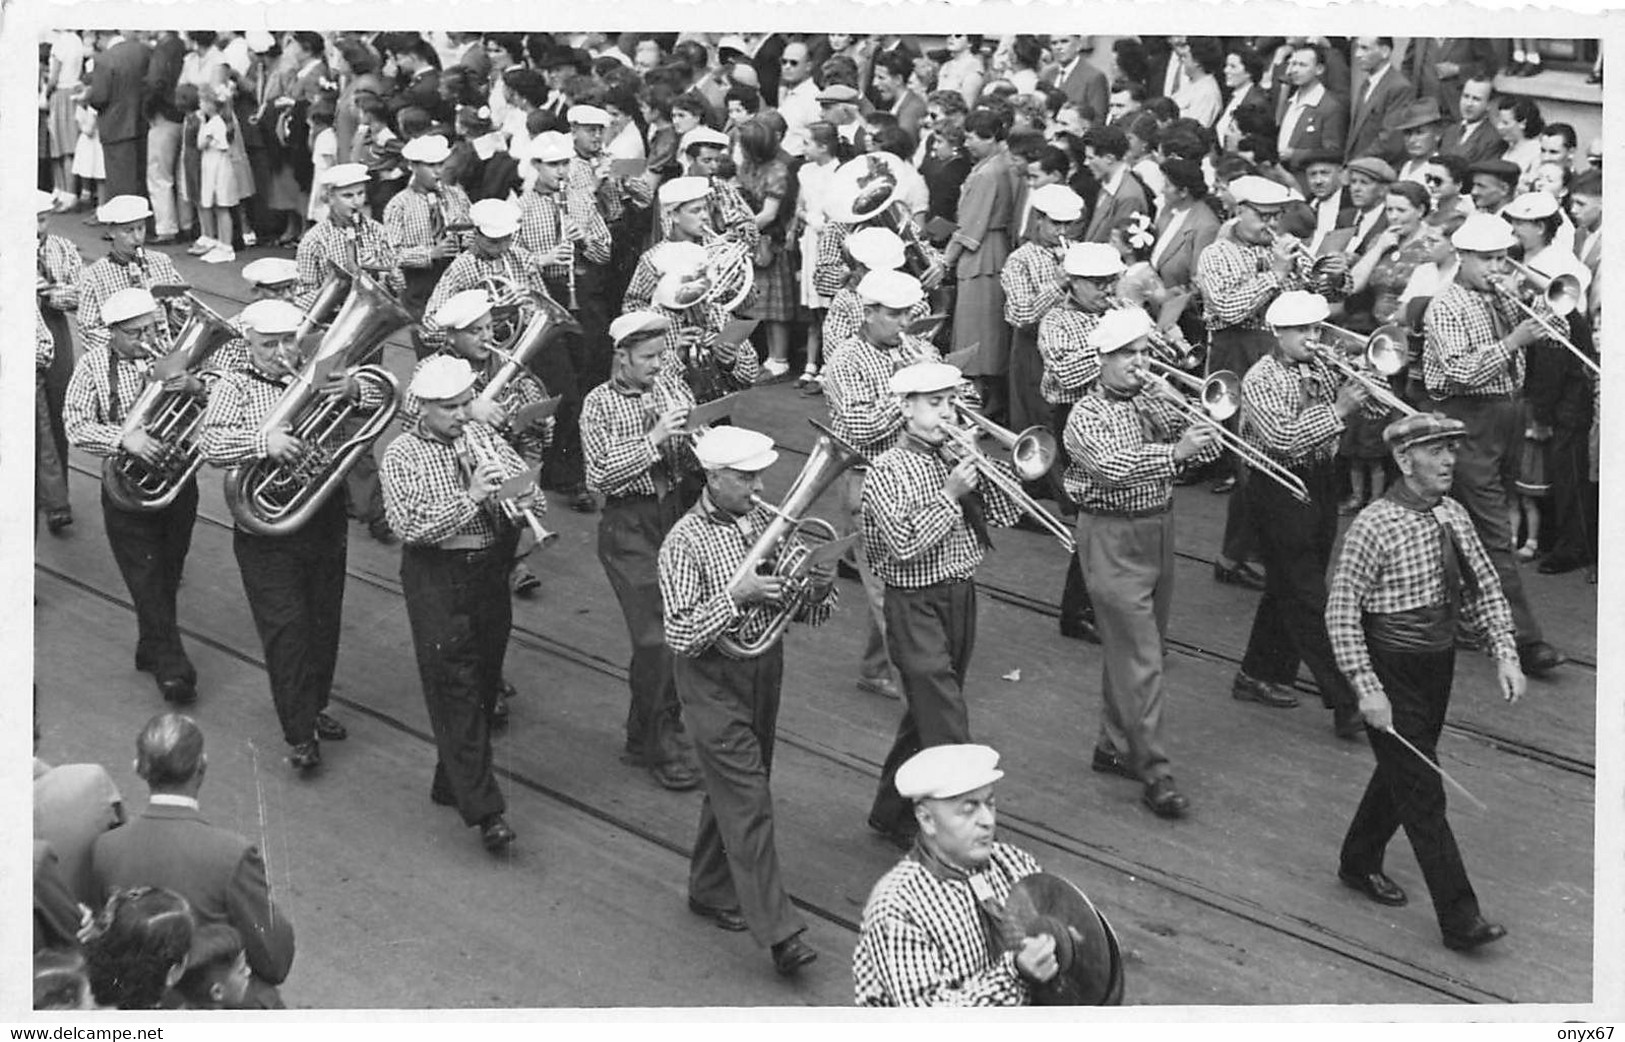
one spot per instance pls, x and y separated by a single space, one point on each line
1429 628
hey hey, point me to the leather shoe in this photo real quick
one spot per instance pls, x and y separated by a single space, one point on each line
1106 761
441 799
379 529
1241 574
584 502
792 954
1539 658
675 775
1250 689
882 686
1348 722
524 582
1080 628
1223 485
495 833
1375 885
178 690
57 520
1165 800
306 756
730 919
1555 564
329 729
1477 934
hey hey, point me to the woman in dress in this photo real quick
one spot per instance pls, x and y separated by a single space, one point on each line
976 254
764 181
964 72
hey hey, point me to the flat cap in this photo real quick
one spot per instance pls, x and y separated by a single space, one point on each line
942 772
430 148
1118 329
1376 169
1483 233
734 448
587 115
1531 206
1297 307
1409 431
838 94
892 289
463 309
1093 260
124 209
271 271
1259 191
495 218
635 322
271 317
440 378
878 249
681 190
1322 157
1057 202
926 378
343 175
1420 113
126 304
1499 168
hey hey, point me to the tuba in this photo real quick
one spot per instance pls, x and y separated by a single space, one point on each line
547 321
172 417
271 498
830 457
868 190
329 298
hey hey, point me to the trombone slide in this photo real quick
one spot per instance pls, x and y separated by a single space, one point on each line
1231 441
962 443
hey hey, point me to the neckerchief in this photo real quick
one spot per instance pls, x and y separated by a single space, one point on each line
981 888
1456 578
974 506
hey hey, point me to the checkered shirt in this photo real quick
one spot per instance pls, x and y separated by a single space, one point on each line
913 533
238 404
697 563
1071 363
612 193
1121 452
58 260
87 412
922 942
106 277
1464 355
409 221
1237 283
524 389
710 320
326 246
44 345
857 386
425 483
831 271
844 319
1034 283
1391 561
615 423
541 228
640 291
517 265
736 215
1287 411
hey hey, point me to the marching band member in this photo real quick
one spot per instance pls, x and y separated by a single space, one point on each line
1034 284
440 480
1125 448
925 519
149 546
924 939
1473 364
694 344
1293 412
1411 570
420 222
704 151
639 458
273 278
731 703
493 258
59 269
869 249
348 240
864 412
295 582
685 218
127 265
590 176
50 469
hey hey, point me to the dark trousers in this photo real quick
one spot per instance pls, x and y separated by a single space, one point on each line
570 367
150 549
1486 469
1573 533
50 469
732 708
1404 792
1295 541
458 606
1074 592
1237 350
295 589
419 287
1027 405
931 632
126 165
630 532
363 492
58 375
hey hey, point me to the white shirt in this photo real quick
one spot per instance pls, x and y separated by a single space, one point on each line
68 50
1301 99
1174 224
1363 225
1174 77
1325 219
168 799
800 110
1199 100
1372 81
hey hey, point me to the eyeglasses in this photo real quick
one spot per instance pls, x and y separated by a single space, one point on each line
1267 216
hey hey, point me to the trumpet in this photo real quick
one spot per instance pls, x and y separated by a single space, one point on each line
1220 399
1562 294
1384 353
517 509
1032 453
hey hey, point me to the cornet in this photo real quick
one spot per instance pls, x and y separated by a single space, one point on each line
1383 353
516 508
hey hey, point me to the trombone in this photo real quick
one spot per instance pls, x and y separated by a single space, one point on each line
1032 454
1221 399
1384 353
1563 294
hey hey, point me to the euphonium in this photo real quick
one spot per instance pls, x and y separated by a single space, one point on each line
171 417
271 498
547 321
830 457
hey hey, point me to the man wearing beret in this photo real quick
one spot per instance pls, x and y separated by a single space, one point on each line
441 479
1473 364
730 692
149 546
926 513
704 152
127 264
928 926
1412 570
869 249
419 222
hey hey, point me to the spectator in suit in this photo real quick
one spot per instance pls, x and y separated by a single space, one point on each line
891 92
1242 69
1442 66
1473 136
1126 100
219 873
1075 75
1421 126
1327 196
1558 143
415 62
1311 118
58 916
1368 180
1495 183
118 94
1377 102
1121 193
137 950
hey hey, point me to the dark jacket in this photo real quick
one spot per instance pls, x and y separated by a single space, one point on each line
117 91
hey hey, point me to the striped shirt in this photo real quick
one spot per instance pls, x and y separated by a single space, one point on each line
1121 452
615 425
1287 410
88 415
698 560
469 270
522 390
541 229
425 483
1034 283
857 385
59 264
1392 561
914 533
109 275
923 943
1237 283
1071 363
412 216
327 246
238 403
1466 353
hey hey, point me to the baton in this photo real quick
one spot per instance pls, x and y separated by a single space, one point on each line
1458 786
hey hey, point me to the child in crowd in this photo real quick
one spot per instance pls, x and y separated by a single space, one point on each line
216 970
217 179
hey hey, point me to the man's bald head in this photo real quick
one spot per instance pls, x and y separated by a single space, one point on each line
169 752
